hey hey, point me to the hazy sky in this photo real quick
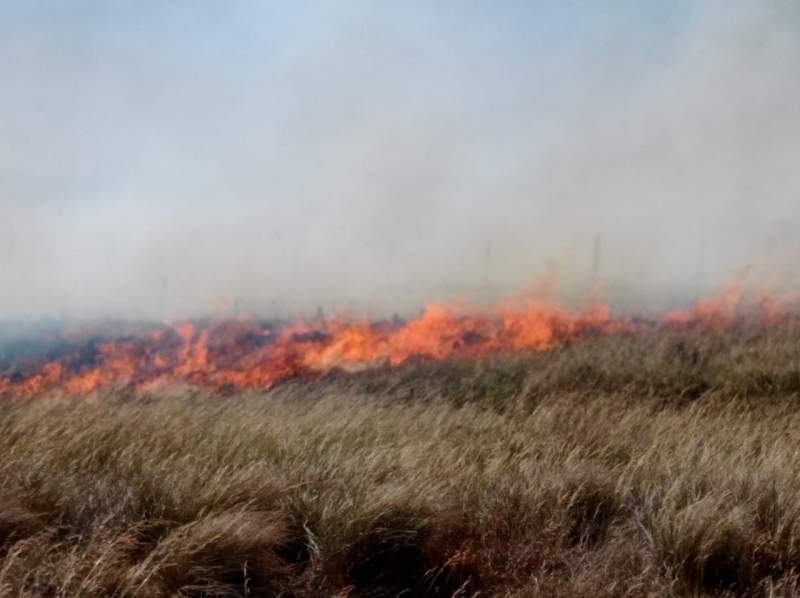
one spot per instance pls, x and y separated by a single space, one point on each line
158 157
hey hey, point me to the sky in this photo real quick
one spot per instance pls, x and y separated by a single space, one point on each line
175 158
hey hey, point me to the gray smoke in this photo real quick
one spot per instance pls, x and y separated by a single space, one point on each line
159 158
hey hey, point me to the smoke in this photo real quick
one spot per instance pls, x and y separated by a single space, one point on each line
172 159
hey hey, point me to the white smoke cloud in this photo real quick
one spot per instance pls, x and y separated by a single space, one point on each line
155 159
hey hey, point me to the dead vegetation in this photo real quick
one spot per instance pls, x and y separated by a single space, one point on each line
662 464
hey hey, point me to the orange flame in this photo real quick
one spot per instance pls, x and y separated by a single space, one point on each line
244 354
718 312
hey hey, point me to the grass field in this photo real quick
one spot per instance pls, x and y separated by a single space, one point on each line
661 464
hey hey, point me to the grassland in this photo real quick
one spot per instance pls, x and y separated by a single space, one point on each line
662 464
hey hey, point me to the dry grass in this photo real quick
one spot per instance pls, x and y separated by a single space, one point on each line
658 465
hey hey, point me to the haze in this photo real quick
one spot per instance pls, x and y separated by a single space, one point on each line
185 158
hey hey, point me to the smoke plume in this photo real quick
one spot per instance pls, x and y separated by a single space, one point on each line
178 159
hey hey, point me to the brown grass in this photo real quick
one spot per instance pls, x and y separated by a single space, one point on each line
664 464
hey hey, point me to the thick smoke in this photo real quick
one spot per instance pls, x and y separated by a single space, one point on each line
177 159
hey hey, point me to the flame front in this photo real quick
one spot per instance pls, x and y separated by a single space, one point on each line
250 355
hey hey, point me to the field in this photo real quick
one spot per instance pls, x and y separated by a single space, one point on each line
661 463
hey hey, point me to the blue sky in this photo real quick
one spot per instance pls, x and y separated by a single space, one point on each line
289 154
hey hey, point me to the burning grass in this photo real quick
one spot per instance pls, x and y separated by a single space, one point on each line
249 355
658 464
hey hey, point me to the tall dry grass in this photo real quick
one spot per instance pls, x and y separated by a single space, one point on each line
664 464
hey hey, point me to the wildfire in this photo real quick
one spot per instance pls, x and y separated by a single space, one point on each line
252 355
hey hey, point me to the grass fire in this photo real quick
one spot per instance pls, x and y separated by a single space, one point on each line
250 355
267 327
653 461
531 450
